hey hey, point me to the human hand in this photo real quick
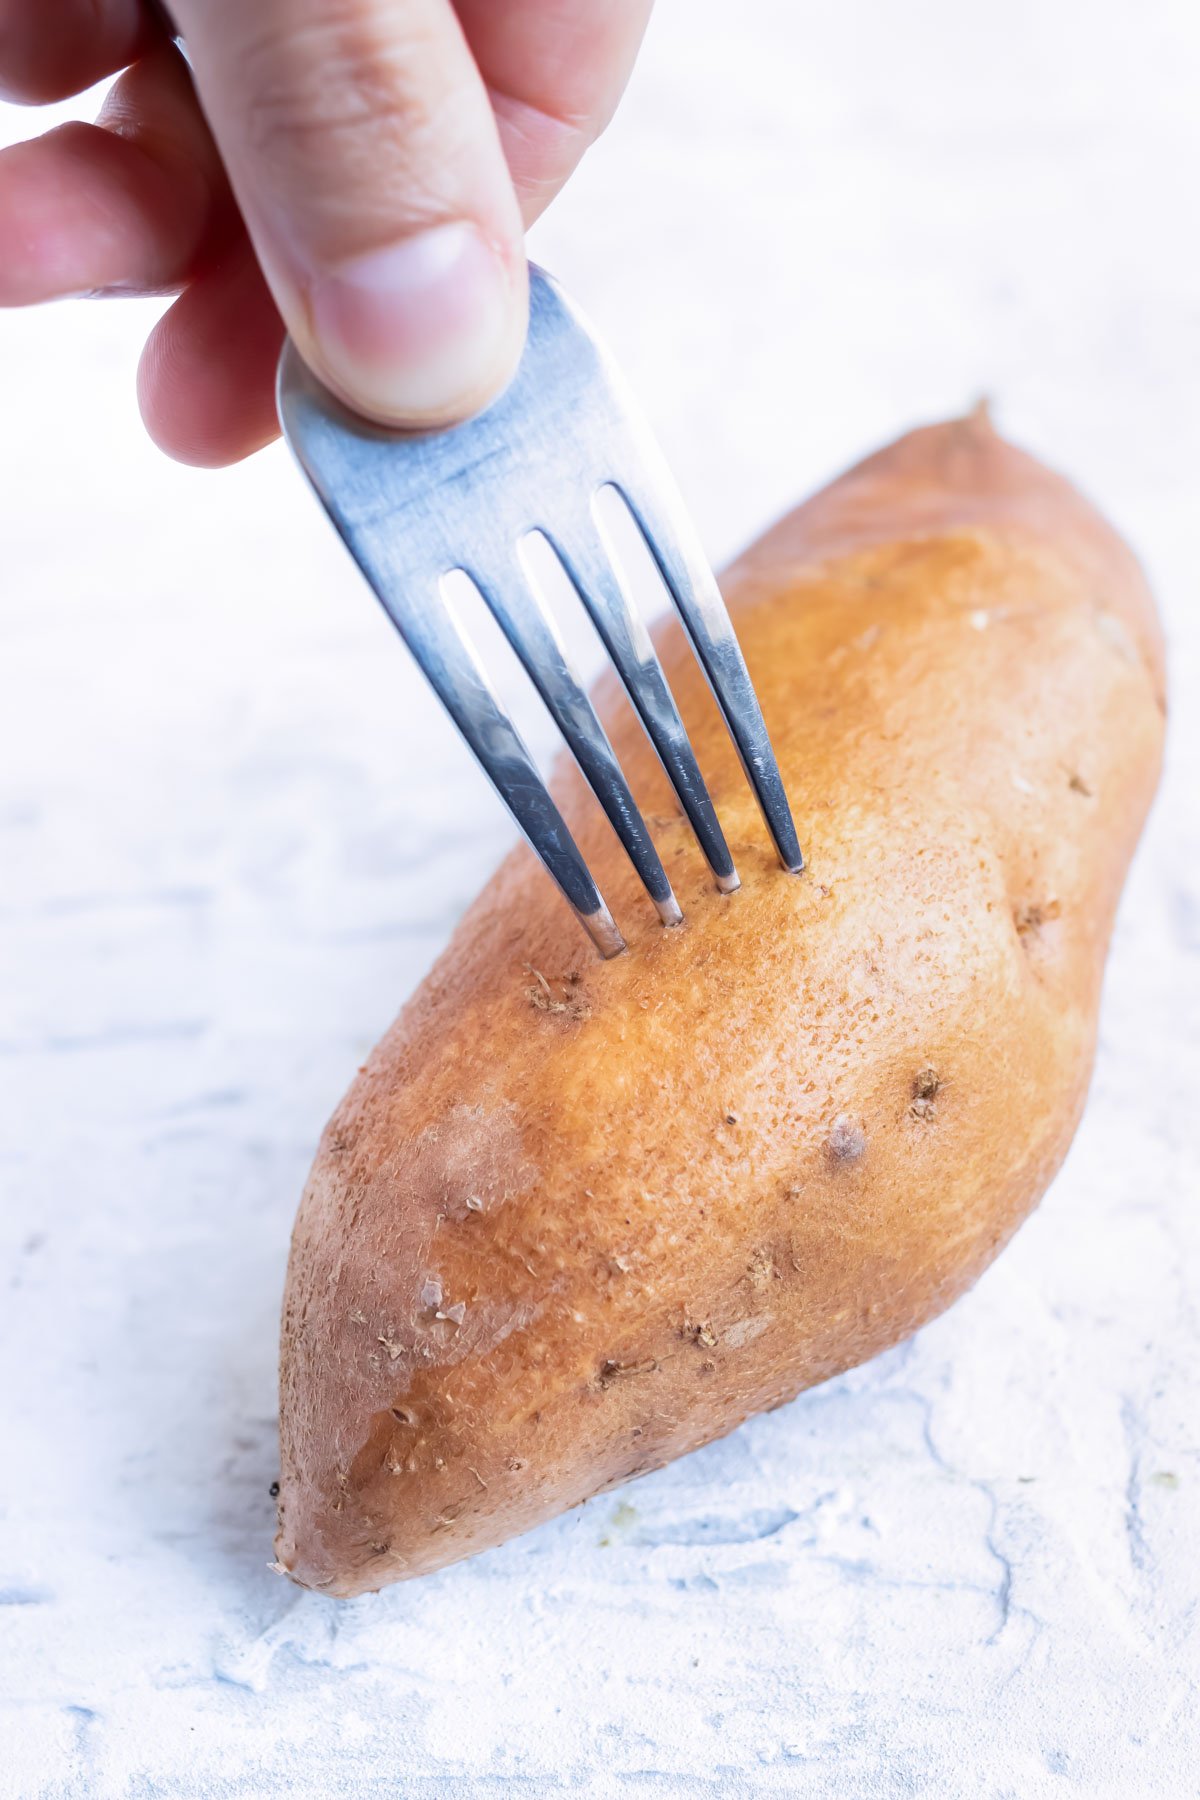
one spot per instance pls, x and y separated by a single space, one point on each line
358 171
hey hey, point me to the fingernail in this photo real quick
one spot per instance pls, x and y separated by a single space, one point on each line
422 331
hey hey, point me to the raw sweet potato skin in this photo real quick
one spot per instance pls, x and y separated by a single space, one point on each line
576 1218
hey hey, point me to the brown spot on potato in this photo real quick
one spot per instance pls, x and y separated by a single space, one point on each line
543 998
611 1370
926 1083
1030 918
761 1267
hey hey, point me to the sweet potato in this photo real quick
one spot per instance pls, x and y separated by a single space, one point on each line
575 1218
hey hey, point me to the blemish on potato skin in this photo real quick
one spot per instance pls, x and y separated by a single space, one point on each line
926 1084
1030 918
699 1333
571 1002
611 1370
761 1268
744 1331
847 1141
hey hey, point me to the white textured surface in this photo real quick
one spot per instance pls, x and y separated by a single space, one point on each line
233 831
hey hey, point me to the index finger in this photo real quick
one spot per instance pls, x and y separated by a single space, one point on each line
50 49
555 70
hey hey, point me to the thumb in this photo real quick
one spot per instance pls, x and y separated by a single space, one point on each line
364 154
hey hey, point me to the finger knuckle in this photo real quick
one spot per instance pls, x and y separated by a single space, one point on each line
309 92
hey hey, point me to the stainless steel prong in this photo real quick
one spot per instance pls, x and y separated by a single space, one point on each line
602 587
530 628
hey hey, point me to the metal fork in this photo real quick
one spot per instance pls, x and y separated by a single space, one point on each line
412 508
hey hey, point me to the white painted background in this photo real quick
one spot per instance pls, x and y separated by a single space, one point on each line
233 831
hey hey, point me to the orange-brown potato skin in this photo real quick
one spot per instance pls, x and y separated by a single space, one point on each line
575 1218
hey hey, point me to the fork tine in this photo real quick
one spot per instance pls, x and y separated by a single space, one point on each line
530 629
449 662
405 504
672 541
605 593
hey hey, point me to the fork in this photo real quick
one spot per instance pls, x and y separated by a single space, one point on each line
414 507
